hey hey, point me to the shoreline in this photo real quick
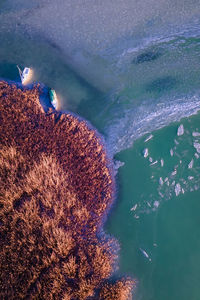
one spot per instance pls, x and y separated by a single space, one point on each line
64 183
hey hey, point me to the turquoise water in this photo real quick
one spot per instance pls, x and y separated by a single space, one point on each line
133 83
170 232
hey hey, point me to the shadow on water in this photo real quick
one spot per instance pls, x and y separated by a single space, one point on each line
165 83
9 71
146 57
2 2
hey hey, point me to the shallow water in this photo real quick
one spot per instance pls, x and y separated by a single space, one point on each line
166 226
130 76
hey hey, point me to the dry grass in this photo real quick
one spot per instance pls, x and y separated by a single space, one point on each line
56 187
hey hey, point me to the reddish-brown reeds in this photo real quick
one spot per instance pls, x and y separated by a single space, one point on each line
56 186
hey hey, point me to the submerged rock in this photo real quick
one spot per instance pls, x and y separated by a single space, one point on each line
147 57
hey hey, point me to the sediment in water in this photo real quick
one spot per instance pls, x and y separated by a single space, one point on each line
56 188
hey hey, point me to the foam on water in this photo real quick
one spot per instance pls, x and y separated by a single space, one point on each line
147 118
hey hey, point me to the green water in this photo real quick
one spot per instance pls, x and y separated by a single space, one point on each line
170 234
129 91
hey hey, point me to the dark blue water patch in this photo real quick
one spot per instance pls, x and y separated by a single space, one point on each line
2 2
89 110
147 56
165 83
9 71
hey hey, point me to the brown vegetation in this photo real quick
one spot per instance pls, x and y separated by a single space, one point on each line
56 187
